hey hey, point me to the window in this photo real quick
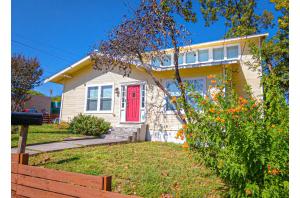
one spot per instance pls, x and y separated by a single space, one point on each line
99 98
92 99
143 96
232 52
180 59
218 53
155 62
106 98
190 57
173 89
203 55
166 61
198 86
123 92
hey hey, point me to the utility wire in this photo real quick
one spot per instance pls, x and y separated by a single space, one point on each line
41 50
48 45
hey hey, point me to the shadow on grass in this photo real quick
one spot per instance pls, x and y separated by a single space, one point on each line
62 161
54 132
66 160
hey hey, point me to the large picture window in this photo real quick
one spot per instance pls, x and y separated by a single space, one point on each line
99 98
197 84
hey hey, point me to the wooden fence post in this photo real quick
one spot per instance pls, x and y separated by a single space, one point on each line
107 183
22 139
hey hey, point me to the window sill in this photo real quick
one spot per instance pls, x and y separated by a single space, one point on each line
98 112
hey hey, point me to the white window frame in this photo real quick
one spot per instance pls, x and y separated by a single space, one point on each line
212 53
171 112
99 98
209 57
232 45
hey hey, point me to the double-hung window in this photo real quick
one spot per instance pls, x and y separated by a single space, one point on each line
92 99
99 98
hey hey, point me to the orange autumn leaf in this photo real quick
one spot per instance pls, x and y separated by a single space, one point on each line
185 145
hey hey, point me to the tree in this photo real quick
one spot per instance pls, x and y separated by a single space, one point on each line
242 19
142 38
25 75
35 93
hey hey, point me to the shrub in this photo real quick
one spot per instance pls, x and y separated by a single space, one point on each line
89 125
245 140
62 125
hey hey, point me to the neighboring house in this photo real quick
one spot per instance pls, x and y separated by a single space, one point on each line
40 103
134 100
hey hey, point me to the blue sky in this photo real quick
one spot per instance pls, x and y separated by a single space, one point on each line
61 32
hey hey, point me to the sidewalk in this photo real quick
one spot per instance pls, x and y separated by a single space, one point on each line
57 146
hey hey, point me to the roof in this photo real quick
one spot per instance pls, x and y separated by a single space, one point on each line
86 60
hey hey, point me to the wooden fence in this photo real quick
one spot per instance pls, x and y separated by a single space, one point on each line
48 118
31 181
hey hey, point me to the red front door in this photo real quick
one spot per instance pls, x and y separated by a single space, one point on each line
133 103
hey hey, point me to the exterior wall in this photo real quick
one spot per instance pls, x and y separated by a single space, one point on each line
40 103
162 126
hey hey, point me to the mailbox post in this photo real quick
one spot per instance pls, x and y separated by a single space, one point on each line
25 119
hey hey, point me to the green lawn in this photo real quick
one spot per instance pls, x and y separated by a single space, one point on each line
147 169
42 134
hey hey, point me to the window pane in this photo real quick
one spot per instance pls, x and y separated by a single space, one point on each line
106 98
123 96
91 105
92 92
232 52
172 88
143 96
218 53
166 60
106 91
105 104
203 55
180 59
190 57
197 84
155 62
92 99
169 106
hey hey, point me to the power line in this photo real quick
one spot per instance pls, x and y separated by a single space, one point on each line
41 50
47 45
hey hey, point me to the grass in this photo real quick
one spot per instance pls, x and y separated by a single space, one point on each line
42 134
147 169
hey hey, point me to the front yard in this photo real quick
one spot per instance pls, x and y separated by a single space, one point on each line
147 169
42 134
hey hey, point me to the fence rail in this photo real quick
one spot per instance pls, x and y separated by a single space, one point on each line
31 181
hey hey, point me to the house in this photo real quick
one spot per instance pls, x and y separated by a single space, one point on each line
134 100
39 103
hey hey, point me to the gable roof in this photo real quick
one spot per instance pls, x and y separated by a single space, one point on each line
65 73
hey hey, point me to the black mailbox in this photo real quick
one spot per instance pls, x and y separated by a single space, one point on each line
25 118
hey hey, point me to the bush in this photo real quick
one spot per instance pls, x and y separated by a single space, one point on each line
62 125
244 140
89 125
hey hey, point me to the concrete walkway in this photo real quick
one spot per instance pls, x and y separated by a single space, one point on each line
57 146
